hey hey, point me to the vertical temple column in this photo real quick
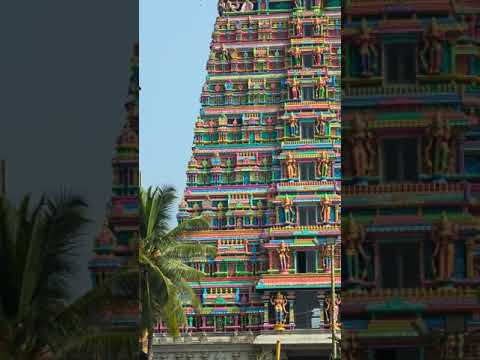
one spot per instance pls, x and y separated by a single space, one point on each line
291 308
376 258
321 302
270 260
266 303
294 265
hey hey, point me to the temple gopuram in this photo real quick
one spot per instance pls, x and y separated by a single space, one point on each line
116 245
265 172
411 180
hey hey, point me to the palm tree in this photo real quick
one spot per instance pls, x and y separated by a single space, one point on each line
164 275
37 248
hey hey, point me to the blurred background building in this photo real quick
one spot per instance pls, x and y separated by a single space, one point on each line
411 179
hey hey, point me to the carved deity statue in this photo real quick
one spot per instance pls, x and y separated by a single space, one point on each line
363 147
231 5
246 6
318 26
321 88
438 145
298 28
323 166
318 56
443 259
295 90
293 125
234 54
279 303
296 56
320 126
289 211
332 312
336 312
326 210
224 54
326 259
368 51
353 244
283 257
291 166
432 52
453 347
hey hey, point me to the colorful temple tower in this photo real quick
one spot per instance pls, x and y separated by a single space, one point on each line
265 172
410 115
116 245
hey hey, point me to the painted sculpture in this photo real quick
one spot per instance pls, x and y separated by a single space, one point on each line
444 249
279 304
353 241
283 258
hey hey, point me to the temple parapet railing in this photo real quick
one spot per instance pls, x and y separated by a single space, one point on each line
411 4
395 90
356 190
465 296
243 337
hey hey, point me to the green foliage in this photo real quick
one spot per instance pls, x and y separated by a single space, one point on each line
164 274
37 248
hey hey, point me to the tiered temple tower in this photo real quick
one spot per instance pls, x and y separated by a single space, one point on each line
116 245
265 172
410 194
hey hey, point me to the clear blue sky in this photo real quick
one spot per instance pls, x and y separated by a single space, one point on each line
174 47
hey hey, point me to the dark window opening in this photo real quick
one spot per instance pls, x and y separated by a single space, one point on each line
307 93
308 215
397 354
307 311
307 130
306 262
401 64
307 61
400 265
400 160
307 171
309 4
308 30
301 262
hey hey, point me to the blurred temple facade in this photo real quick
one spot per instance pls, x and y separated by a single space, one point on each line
265 171
116 245
411 179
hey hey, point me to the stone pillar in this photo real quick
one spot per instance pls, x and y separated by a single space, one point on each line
270 260
266 302
321 302
294 267
376 262
291 308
